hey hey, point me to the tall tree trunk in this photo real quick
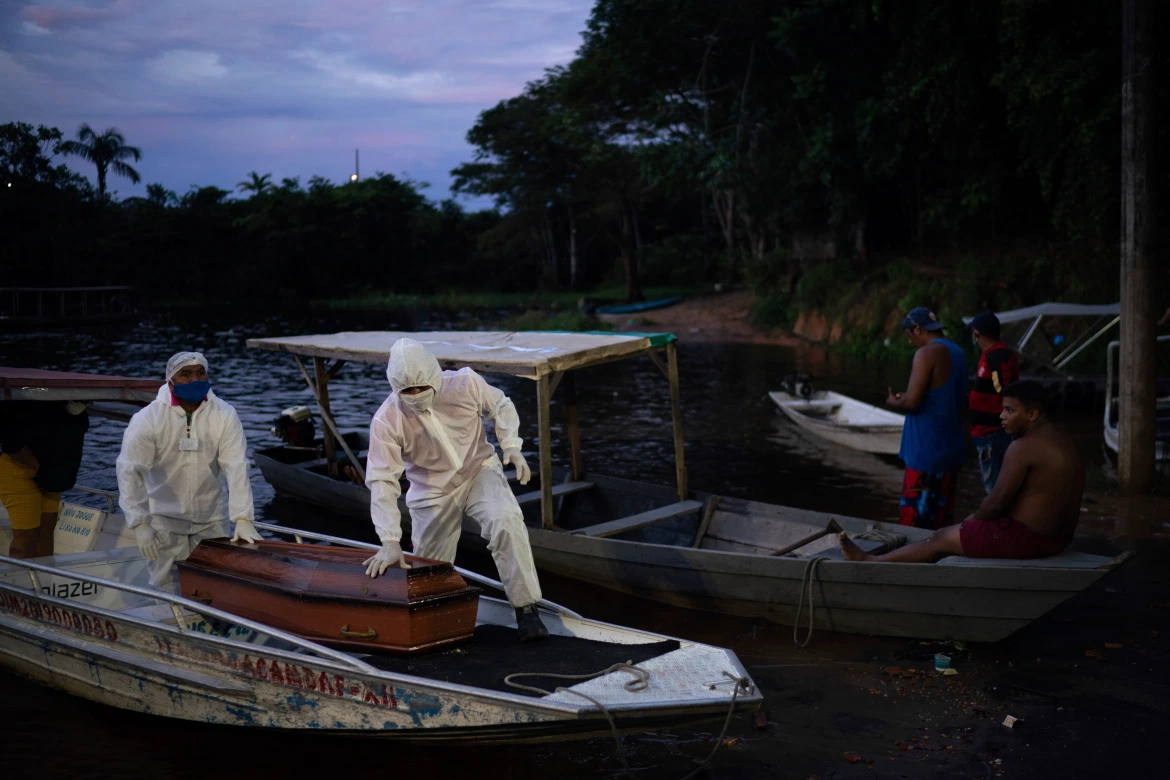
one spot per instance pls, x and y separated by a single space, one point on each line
551 243
725 211
637 239
633 289
101 171
1136 427
572 249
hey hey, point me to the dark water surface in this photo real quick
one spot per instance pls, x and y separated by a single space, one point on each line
737 445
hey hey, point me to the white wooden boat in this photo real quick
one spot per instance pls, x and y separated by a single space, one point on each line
85 621
685 547
844 420
1113 410
88 624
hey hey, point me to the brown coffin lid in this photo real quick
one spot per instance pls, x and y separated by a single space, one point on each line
309 571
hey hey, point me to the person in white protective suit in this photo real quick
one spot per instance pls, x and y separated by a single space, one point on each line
183 470
431 427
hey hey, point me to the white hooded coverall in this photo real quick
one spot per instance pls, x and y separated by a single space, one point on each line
181 492
452 468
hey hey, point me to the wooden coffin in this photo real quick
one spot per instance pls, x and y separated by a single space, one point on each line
324 594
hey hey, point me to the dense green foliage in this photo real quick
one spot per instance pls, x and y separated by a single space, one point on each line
799 145
285 241
757 137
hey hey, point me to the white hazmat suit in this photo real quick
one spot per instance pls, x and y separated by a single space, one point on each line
437 438
183 475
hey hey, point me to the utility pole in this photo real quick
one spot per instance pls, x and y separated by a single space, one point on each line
1138 391
356 173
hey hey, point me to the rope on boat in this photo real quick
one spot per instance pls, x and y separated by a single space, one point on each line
880 535
638 682
740 683
806 581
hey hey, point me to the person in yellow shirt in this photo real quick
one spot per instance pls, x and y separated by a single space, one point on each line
40 455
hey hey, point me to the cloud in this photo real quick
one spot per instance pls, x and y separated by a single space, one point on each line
187 67
63 16
213 88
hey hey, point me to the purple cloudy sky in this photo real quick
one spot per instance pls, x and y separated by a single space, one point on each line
212 89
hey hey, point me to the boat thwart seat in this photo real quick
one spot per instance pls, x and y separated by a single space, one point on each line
563 489
640 520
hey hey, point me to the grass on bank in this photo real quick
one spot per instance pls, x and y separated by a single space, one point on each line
866 299
462 300
533 310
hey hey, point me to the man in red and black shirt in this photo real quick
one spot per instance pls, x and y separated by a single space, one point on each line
997 369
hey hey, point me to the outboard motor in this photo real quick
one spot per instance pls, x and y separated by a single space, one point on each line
788 385
295 427
804 387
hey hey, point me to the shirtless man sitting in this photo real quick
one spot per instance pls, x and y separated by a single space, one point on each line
1035 505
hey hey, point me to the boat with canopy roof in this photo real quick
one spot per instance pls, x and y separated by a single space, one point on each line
670 543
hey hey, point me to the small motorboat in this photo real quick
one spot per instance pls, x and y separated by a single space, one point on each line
88 624
839 418
1113 410
641 306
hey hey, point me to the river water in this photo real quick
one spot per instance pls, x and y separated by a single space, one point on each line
737 444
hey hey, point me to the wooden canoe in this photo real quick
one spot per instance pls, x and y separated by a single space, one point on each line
715 553
844 420
323 594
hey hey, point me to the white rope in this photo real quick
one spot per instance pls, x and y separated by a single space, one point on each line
890 538
806 581
740 682
640 681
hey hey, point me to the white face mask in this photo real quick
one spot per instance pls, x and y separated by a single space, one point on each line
75 407
419 402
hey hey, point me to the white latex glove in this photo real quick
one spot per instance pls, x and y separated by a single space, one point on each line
390 554
246 532
513 457
148 541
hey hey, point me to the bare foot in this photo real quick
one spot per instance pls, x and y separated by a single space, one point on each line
850 550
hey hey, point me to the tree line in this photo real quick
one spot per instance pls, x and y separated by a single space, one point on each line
685 142
744 136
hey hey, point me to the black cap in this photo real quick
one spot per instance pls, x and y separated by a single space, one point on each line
923 318
986 323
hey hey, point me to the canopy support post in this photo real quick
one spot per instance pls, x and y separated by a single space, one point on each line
574 432
323 408
676 417
545 426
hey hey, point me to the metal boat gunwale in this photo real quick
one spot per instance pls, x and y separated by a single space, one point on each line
349 664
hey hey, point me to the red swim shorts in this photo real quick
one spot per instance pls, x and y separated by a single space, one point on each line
1005 538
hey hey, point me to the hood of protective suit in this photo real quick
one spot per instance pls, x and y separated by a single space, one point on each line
182 360
410 365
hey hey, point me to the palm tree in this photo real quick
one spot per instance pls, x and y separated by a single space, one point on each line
255 183
160 196
106 151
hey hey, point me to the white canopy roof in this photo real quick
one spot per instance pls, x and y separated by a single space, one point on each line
525 354
1056 310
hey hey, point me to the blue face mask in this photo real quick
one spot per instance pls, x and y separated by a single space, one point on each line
192 392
